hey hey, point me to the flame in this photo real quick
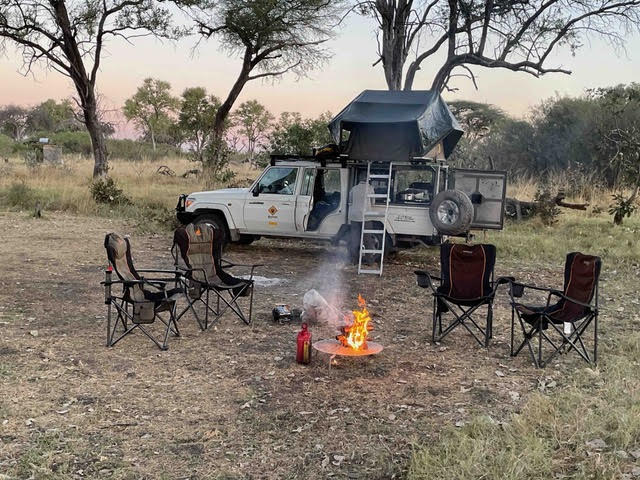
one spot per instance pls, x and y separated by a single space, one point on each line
355 334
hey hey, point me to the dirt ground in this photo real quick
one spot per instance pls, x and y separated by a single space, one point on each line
229 402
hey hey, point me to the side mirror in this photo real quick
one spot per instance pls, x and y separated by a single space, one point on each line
256 191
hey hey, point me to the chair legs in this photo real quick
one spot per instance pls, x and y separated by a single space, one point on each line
125 317
463 317
225 300
564 343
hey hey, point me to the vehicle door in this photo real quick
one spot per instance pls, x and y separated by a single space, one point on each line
304 199
487 190
270 206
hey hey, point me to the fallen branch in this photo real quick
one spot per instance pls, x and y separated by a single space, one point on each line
520 209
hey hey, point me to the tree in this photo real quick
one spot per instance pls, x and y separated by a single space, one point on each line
196 119
69 37
273 37
294 135
477 120
253 120
518 35
13 121
51 117
152 107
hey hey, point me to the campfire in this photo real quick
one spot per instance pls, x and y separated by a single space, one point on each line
352 340
354 334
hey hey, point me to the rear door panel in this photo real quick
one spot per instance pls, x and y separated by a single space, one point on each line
487 190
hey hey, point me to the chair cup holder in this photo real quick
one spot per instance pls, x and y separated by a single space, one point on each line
423 280
517 290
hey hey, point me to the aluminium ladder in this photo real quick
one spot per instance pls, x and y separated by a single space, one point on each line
367 214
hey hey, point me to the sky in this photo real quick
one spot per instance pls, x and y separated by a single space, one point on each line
328 88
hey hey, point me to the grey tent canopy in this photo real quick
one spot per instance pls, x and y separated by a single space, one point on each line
387 125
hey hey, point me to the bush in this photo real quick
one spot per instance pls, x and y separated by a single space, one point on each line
106 191
21 195
546 207
622 207
7 146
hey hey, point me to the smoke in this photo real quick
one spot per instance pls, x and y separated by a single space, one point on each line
326 297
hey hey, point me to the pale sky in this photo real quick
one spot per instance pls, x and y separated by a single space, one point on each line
329 87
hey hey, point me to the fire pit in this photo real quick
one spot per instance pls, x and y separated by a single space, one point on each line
352 341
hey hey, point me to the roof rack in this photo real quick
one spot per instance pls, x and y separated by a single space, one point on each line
342 160
345 161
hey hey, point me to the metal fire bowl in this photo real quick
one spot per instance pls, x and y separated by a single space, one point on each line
334 347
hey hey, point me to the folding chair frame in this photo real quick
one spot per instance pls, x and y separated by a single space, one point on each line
184 276
482 334
572 341
123 303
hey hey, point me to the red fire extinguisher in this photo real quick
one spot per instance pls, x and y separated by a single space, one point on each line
303 353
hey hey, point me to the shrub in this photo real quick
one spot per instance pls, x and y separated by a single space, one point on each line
6 146
546 207
106 191
20 195
621 207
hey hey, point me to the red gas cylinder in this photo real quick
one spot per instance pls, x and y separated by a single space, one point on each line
303 353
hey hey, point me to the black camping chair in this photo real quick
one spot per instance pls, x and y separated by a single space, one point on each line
575 309
142 299
466 284
199 247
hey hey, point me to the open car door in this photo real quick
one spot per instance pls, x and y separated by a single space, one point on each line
487 190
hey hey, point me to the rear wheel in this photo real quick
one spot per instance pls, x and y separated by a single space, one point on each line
217 222
451 212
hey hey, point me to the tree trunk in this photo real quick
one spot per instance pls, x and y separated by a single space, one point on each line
98 144
85 88
153 139
213 164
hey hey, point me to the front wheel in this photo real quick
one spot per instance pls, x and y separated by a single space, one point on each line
451 212
217 223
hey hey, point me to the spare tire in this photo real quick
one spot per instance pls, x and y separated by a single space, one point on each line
451 212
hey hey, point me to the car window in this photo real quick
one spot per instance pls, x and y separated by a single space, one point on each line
278 180
307 181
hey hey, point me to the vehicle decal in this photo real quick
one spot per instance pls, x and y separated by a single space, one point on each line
273 224
404 218
272 210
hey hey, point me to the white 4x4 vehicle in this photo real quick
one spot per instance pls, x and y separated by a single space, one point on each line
307 197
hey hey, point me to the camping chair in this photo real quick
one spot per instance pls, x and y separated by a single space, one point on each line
575 309
465 285
200 248
142 299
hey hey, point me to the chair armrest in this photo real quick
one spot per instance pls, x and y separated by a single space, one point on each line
424 279
558 293
152 270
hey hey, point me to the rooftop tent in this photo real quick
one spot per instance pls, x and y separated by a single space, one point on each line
396 125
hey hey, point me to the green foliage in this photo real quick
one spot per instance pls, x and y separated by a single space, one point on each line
7 145
253 121
297 136
20 195
595 137
73 142
196 119
546 207
51 116
622 207
152 108
105 190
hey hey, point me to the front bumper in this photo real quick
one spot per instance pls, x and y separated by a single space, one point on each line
183 217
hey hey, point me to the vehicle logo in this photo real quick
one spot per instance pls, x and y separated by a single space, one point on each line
272 210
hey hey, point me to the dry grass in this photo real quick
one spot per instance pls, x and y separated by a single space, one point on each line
153 196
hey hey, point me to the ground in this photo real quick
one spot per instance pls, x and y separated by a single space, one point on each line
230 402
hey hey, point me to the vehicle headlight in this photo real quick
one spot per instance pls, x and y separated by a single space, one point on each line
188 202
